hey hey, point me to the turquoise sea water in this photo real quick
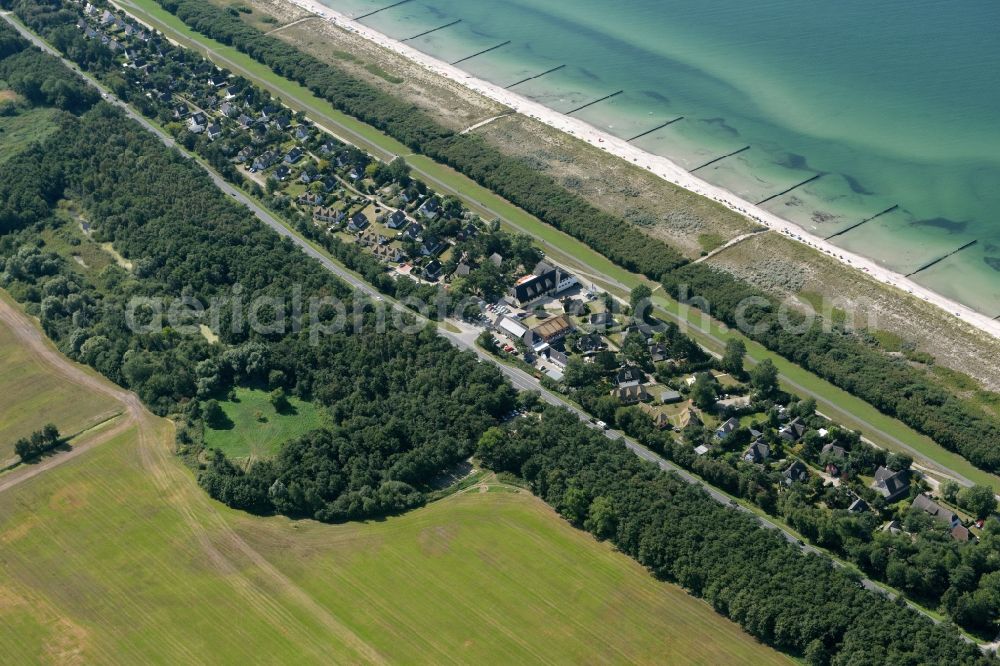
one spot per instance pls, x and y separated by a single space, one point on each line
894 103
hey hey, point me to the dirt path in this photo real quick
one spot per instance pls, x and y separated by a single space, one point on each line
39 348
264 587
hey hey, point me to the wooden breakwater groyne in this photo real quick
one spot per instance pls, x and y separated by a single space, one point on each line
864 221
536 76
793 187
596 101
719 159
479 53
658 127
381 9
427 32
943 257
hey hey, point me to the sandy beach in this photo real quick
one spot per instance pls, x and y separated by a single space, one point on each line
660 166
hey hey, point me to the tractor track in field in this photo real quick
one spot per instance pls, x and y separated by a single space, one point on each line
265 588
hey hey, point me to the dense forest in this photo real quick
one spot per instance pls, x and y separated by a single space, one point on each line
841 357
798 603
405 407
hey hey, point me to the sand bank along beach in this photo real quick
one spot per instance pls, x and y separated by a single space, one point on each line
660 166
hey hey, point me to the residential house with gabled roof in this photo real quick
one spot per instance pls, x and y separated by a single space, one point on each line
631 394
727 428
197 123
431 246
645 330
294 155
858 506
389 253
658 352
432 271
961 533
757 453
429 209
246 152
310 199
469 231
214 131
396 220
554 329
834 450
629 374
796 472
358 222
891 485
589 343
670 396
660 419
328 215
940 514
264 160
414 232
602 320
558 358
282 172
792 431
688 417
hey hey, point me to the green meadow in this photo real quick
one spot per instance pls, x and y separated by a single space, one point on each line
255 429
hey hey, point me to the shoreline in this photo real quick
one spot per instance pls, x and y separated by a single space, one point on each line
660 166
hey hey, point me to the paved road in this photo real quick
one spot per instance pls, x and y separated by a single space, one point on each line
463 340
348 135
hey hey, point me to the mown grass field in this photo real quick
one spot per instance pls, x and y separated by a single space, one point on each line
31 395
258 430
117 557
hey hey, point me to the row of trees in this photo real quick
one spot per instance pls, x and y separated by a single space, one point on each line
40 441
797 603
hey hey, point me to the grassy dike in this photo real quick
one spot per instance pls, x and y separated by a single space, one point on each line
883 430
